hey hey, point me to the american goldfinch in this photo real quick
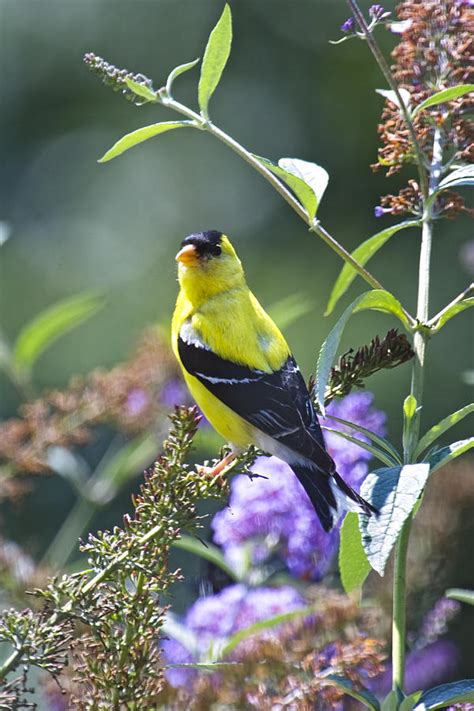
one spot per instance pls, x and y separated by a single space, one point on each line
242 375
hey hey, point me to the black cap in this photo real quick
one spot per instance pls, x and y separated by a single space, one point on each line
207 243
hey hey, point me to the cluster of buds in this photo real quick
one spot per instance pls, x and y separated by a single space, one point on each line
377 15
353 367
116 78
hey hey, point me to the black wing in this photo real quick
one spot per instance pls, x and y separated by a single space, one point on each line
276 403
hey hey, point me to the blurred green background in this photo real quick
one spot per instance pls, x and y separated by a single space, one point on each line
78 225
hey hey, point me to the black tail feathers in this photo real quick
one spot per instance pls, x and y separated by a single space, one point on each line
330 494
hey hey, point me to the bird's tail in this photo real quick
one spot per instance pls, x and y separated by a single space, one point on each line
330 495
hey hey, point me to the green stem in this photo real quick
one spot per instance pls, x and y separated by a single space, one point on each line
127 641
420 341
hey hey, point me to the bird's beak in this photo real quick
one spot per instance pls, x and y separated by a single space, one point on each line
188 256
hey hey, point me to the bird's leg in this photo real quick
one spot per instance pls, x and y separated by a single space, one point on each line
219 467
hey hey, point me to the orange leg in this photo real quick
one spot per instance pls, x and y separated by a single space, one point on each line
219 467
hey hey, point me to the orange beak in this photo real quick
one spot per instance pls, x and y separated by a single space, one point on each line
188 256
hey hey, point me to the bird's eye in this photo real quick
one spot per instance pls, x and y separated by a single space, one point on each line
216 250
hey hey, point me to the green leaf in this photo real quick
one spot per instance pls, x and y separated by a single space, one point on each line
409 701
442 96
394 492
391 701
209 552
353 564
466 596
362 254
312 174
409 411
391 96
301 189
365 696
377 453
290 309
445 695
52 323
215 58
177 71
442 456
460 176
452 311
381 441
232 642
377 300
140 135
445 424
142 90
409 407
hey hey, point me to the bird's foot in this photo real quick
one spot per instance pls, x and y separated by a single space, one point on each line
218 469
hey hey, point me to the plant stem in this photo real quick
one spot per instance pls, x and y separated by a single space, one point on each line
286 194
419 346
385 69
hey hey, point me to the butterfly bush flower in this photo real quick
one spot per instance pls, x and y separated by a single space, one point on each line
211 620
273 515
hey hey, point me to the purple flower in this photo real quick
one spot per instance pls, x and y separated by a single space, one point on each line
375 10
435 623
380 211
274 516
211 620
348 25
425 667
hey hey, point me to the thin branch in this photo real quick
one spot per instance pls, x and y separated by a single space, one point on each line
469 291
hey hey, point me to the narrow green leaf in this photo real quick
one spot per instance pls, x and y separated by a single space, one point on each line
460 176
232 642
375 452
442 96
377 439
362 254
290 309
177 71
391 701
446 695
409 411
140 135
394 492
142 90
215 58
52 323
365 696
377 300
209 552
353 564
445 424
409 701
442 456
453 311
312 174
466 596
301 189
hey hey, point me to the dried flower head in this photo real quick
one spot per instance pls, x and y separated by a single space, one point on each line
116 78
435 53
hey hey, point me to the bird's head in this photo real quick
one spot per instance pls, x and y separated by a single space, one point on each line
208 265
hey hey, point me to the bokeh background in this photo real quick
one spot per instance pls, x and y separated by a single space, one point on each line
78 225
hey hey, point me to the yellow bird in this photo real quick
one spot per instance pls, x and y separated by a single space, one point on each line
242 375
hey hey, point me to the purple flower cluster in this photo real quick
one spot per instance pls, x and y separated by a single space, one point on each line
273 515
211 620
